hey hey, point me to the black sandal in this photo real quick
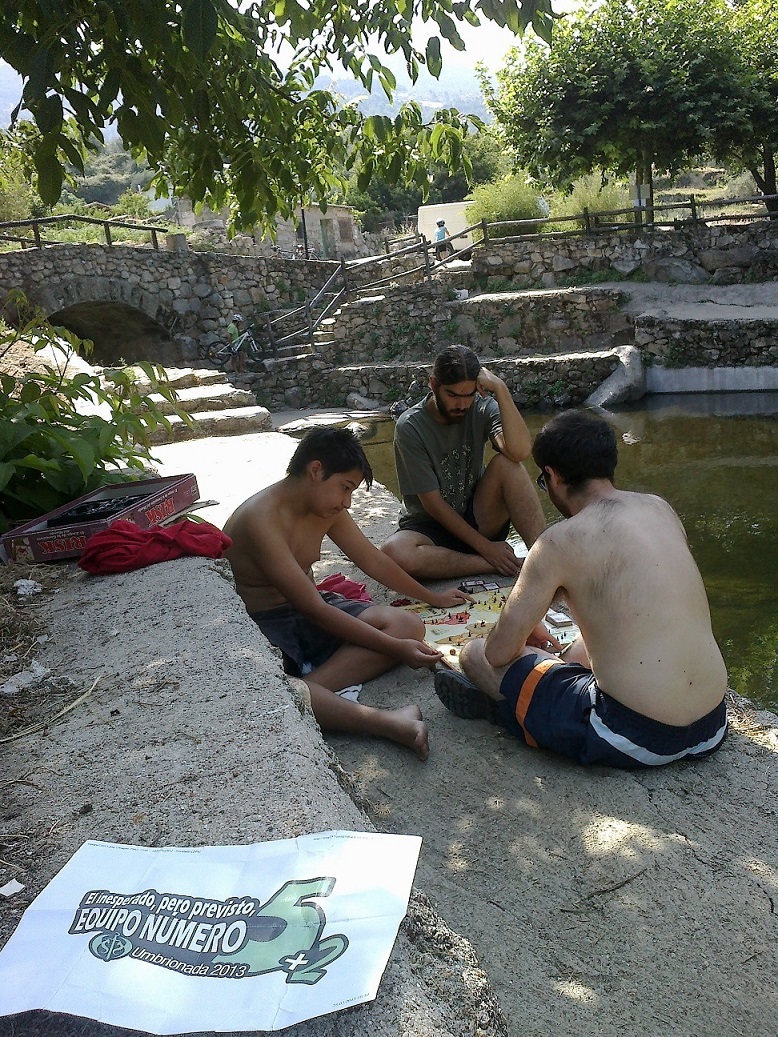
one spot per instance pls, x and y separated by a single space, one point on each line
463 698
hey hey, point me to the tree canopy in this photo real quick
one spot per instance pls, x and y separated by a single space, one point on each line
222 100
628 86
755 37
382 205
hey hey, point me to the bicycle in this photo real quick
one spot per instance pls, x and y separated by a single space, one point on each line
224 354
298 252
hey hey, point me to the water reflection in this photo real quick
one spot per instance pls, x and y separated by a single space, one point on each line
714 458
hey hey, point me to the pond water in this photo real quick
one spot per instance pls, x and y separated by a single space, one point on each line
714 458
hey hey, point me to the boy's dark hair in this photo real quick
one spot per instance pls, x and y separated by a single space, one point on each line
578 446
456 364
336 449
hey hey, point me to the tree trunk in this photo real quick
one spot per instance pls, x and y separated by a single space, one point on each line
644 178
766 180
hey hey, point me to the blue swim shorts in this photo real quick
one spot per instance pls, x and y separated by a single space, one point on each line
554 705
304 645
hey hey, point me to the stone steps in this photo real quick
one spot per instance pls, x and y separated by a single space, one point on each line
217 407
236 421
212 396
188 377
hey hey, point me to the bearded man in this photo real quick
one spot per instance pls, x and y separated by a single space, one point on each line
456 513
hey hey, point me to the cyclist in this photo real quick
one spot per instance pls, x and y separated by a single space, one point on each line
235 332
443 247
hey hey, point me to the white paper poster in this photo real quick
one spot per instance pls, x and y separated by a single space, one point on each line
212 938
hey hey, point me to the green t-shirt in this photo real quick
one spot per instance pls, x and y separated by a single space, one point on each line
450 458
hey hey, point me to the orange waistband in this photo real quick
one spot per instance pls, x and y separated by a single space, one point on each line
527 691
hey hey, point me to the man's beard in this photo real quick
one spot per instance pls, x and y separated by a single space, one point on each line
455 415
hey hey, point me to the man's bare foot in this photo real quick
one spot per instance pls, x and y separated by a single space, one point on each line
406 726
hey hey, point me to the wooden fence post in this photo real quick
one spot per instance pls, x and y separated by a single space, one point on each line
693 206
107 229
427 267
587 221
36 233
485 230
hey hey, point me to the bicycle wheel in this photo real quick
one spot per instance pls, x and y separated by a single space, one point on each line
253 349
220 354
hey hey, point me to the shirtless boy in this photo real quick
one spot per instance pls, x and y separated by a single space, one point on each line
456 515
645 683
329 640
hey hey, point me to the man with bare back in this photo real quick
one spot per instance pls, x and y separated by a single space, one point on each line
330 641
456 515
645 683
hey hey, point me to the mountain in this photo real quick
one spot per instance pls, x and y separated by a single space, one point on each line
457 88
10 92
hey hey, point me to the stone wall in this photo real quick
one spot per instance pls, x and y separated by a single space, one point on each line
674 343
719 254
191 294
534 382
417 322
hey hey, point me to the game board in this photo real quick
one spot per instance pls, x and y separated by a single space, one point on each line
448 629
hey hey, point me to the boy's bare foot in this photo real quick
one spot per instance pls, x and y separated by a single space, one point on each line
406 726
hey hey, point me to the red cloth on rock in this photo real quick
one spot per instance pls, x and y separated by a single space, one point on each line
124 546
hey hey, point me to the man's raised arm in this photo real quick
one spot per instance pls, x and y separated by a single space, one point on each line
514 441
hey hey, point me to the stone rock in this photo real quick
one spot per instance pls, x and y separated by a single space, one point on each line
715 258
765 265
560 263
358 402
625 266
727 275
682 271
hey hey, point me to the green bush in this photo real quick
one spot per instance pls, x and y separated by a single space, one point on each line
54 447
511 198
133 205
595 194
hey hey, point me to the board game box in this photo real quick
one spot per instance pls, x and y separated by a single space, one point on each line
63 533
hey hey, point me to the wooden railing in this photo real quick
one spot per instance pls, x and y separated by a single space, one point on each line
34 238
588 222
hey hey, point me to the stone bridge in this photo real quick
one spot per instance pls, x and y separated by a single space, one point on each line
143 304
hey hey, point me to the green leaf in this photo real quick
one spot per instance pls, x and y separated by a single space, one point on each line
199 27
7 471
40 464
50 176
434 60
31 391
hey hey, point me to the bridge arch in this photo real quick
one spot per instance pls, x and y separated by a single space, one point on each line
141 303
